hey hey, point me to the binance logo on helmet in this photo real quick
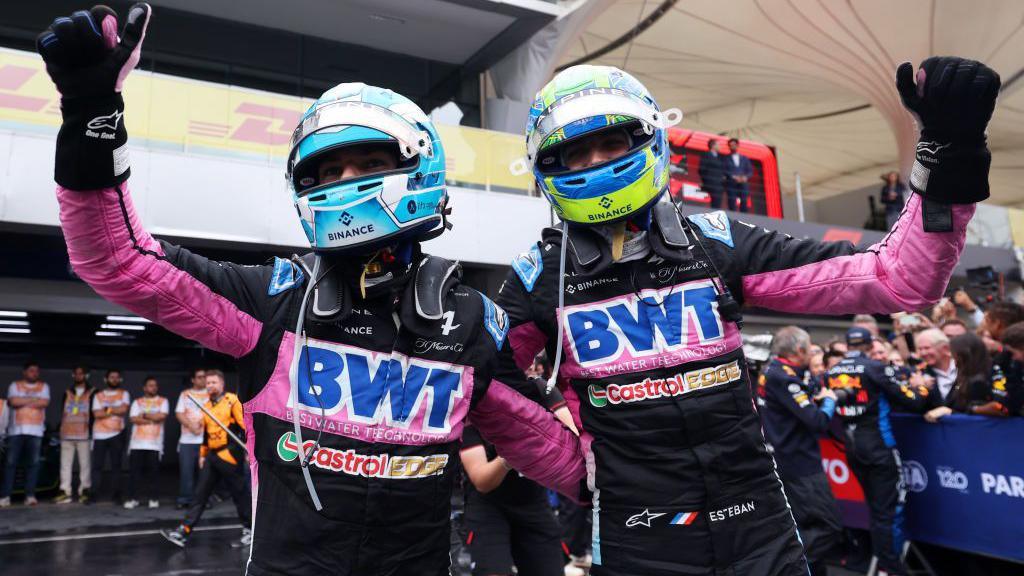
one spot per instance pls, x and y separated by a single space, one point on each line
367 170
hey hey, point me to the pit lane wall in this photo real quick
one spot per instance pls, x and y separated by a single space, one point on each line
964 479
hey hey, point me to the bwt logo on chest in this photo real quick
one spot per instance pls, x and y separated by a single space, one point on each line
378 388
653 322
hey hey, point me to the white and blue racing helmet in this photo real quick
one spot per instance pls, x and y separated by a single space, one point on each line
362 214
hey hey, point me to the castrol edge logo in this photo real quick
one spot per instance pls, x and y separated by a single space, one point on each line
677 385
365 465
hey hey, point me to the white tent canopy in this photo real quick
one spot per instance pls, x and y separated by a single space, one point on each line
814 78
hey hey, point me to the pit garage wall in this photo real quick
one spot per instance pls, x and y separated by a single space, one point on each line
194 196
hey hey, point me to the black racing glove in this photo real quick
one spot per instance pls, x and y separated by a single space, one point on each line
89 62
952 99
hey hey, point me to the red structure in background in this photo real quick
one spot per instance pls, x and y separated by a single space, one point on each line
689 146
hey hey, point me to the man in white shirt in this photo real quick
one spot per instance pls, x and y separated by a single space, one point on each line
74 436
191 420
109 407
933 347
147 443
28 399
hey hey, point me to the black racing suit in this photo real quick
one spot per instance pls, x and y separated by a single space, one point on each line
792 425
512 525
868 392
656 378
389 388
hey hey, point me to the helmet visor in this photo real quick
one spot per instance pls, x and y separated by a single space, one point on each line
411 140
589 103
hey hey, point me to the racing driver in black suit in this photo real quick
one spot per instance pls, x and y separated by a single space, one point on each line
641 308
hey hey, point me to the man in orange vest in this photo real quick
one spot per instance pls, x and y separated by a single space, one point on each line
221 459
74 436
28 399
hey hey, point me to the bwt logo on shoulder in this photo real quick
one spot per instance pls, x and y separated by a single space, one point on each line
657 321
378 388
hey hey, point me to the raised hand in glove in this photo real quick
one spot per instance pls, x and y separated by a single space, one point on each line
88 62
952 99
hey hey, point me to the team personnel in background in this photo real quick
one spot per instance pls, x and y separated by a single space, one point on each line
221 460
932 347
109 408
867 392
794 417
1010 392
508 516
738 171
360 362
74 437
641 310
191 419
712 175
146 447
28 399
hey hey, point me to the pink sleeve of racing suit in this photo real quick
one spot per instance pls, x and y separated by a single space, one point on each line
189 295
530 438
907 271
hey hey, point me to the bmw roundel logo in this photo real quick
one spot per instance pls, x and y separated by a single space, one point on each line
411 206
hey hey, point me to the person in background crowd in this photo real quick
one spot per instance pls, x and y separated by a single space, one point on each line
893 197
109 407
867 321
220 460
976 378
1010 393
932 347
508 516
712 176
191 419
74 437
837 345
963 300
879 350
831 358
866 391
738 171
896 360
816 366
998 317
4 418
147 444
794 416
28 399
953 327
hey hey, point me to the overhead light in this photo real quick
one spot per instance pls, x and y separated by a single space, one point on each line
108 333
122 327
128 319
15 330
13 322
13 314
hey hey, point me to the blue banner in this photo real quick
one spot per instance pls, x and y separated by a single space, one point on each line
965 482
